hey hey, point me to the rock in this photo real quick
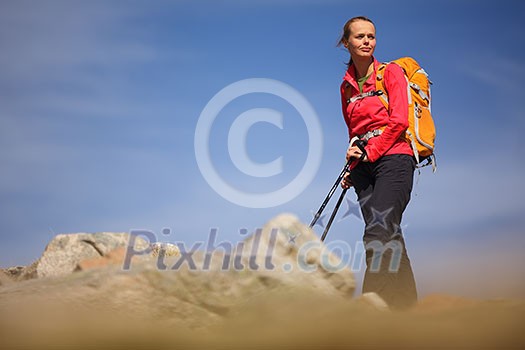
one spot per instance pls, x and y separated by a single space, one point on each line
373 300
114 257
4 278
118 256
21 273
29 272
63 254
279 288
167 249
195 293
292 251
14 272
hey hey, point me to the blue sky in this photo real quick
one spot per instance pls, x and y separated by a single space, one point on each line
100 103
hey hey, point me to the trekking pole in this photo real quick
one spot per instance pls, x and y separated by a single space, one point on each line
325 232
361 144
330 194
334 187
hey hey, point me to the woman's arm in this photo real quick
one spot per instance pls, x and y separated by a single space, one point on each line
396 87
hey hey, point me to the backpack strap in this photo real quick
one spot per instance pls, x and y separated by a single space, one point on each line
380 85
364 95
383 96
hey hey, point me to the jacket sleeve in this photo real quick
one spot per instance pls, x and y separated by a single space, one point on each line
396 87
344 106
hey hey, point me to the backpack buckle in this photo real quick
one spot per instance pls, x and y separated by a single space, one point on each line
368 135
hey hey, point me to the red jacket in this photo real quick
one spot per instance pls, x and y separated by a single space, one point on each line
369 113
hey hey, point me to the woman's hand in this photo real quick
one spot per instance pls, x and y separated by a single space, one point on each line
355 152
346 183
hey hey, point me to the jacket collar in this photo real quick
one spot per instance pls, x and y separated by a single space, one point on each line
350 75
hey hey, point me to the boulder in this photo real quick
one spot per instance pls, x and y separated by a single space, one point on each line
374 300
118 256
4 278
200 291
167 249
63 254
114 257
14 272
279 288
291 251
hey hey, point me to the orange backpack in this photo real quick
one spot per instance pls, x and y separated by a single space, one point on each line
421 131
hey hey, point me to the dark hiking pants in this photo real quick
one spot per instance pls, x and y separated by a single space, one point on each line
383 189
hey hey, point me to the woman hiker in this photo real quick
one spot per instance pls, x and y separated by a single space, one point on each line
383 176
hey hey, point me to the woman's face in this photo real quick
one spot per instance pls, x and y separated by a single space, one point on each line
362 39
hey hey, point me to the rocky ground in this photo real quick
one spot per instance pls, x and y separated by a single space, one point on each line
78 295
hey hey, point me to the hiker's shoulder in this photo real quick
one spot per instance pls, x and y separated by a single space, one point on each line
393 68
